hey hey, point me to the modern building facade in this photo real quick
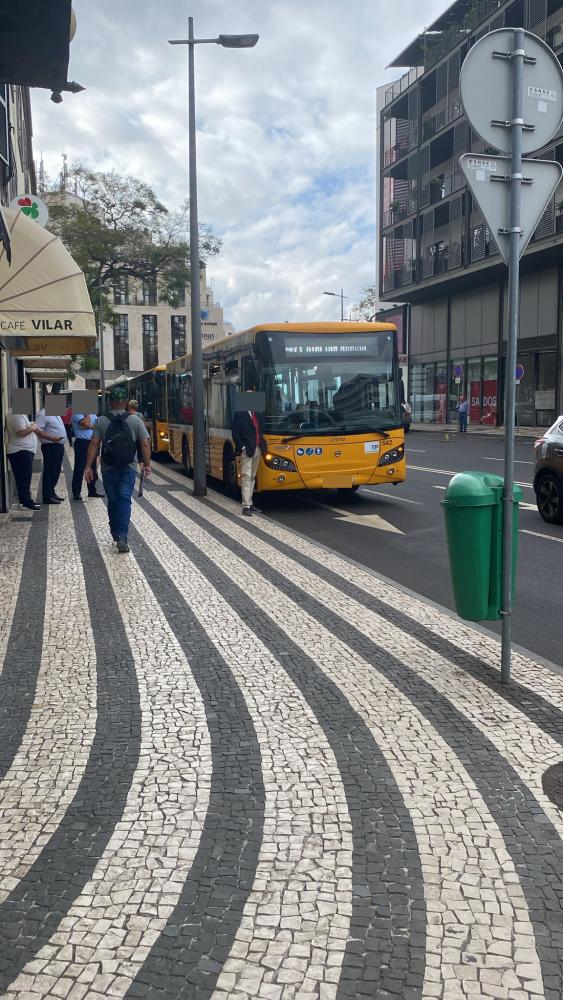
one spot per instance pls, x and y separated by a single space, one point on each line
436 252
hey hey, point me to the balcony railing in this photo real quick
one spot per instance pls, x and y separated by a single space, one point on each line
399 86
555 37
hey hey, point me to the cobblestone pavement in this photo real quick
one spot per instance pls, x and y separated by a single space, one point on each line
235 765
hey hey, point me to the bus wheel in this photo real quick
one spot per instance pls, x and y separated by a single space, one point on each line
230 472
186 458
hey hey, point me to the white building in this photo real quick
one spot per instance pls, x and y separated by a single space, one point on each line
147 332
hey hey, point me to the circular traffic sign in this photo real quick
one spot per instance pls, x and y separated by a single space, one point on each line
458 371
519 374
486 90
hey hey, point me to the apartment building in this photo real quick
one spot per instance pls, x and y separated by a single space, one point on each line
148 332
436 253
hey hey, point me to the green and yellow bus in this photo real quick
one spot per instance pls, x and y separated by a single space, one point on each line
332 405
149 389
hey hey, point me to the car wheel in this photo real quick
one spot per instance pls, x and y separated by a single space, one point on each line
549 498
230 481
186 461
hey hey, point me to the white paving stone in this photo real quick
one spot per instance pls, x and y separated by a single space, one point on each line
307 828
50 761
451 819
149 854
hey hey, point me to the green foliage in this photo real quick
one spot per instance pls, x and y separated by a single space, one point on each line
115 227
367 306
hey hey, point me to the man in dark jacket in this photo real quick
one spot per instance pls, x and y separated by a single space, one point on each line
248 434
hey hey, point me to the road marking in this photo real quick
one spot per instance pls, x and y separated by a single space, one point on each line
419 451
439 487
538 534
518 461
449 472
388 496
366 520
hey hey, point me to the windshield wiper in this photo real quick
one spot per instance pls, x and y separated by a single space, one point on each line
312 432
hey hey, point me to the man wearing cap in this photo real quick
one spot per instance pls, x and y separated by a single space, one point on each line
118 479
82 428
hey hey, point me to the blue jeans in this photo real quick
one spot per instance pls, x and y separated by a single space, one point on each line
119 485
462 422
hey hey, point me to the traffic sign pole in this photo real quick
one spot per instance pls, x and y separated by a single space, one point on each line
517 62
511 86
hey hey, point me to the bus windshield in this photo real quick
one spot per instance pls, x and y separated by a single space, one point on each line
318 383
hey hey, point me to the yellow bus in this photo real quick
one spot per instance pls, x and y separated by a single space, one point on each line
149 389
332 405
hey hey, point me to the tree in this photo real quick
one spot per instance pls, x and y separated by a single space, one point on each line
115 227
368 304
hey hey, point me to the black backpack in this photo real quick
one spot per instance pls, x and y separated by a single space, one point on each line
118 446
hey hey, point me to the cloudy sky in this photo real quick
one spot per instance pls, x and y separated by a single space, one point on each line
286 133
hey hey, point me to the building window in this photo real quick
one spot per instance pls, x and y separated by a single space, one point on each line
121 291
150 342
181 298
121 343
178 329
149 291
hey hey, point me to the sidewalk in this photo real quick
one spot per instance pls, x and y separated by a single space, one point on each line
521 432
235 765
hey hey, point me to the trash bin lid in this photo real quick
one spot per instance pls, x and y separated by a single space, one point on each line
475 489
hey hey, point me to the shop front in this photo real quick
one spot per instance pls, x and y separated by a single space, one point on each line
45 311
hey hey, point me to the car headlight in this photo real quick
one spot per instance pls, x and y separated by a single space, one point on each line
395 455
278 463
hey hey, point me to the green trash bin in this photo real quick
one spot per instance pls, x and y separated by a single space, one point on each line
474 531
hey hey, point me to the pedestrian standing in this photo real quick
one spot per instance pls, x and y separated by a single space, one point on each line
52 433
248 434
67 421
462 410
82 428
21 448
119 434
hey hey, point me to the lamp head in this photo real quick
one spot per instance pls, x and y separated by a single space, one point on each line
237 41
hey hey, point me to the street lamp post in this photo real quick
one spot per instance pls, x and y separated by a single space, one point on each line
228 42
339 295
101 351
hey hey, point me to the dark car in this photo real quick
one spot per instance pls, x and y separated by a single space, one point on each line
548 473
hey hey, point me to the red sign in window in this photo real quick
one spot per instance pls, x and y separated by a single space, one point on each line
489 402
483 402
475 402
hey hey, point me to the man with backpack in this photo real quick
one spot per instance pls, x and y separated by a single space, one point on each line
119 434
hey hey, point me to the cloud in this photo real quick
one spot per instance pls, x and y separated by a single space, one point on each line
285 133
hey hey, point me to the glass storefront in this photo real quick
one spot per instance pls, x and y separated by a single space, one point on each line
428 389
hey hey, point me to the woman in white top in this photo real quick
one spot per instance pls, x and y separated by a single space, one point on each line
22 444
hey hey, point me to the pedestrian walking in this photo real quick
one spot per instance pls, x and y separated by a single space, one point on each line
21 448
118 434
462 410
82 429
133 407
248 434
52 433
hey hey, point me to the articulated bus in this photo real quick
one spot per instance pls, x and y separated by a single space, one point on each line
149 389
332 405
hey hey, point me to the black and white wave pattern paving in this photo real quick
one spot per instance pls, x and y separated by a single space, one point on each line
463 880
236 765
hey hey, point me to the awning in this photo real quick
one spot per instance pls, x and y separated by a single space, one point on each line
43 295
30 364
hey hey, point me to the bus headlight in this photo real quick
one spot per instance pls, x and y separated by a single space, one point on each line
278 463
395 455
